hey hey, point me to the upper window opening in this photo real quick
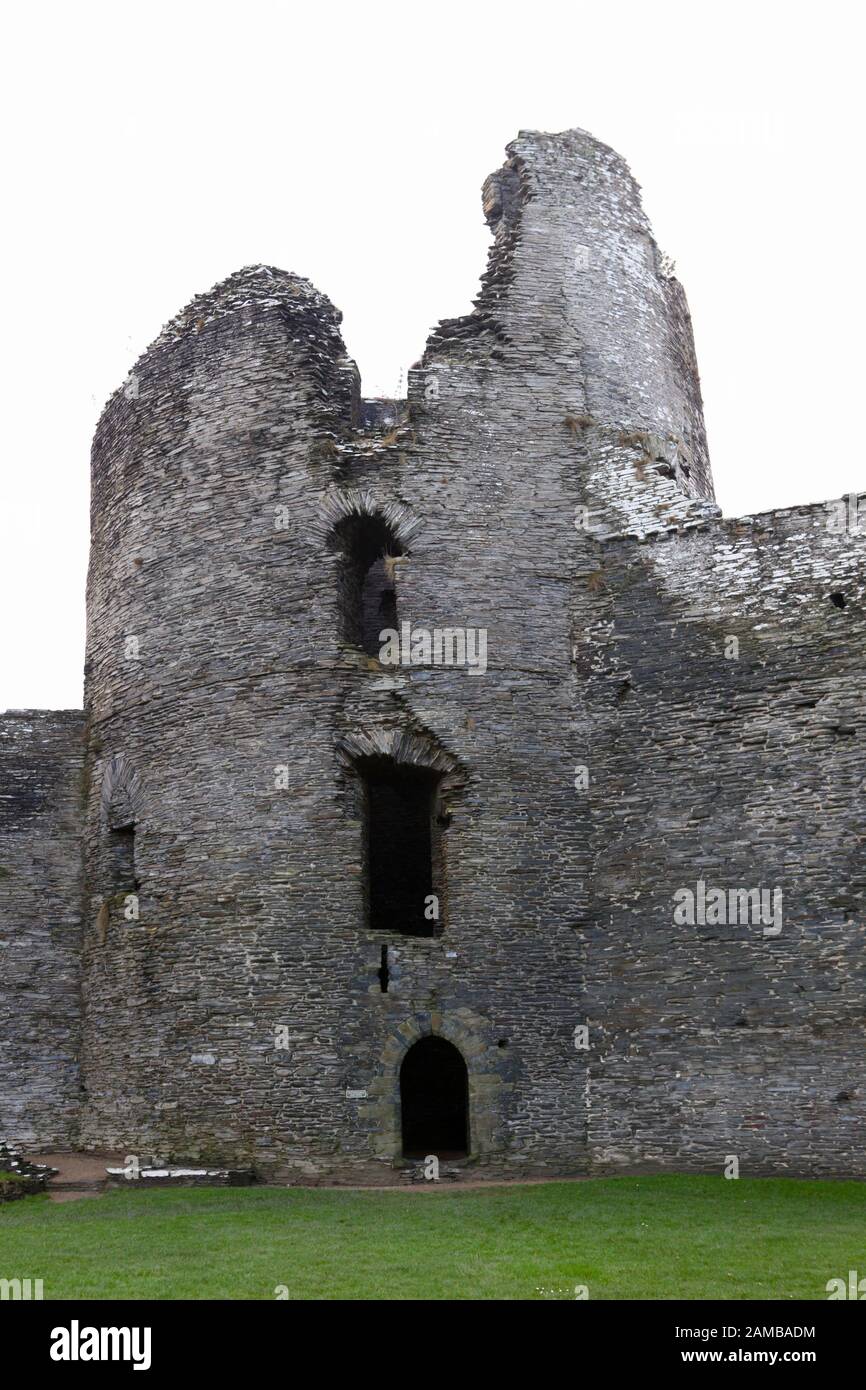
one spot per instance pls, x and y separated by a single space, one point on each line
400 849
368 595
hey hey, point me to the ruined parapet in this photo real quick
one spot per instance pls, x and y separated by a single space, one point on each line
232 414
578 307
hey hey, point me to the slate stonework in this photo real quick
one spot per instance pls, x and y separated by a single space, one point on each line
41 806
546 480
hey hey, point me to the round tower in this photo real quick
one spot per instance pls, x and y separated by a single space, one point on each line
339 889
211 605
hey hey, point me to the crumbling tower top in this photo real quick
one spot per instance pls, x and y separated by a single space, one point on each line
578 296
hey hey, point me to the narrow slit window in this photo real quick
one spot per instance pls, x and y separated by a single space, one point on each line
384 971
121 845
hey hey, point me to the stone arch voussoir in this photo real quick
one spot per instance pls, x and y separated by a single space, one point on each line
120 800
339 504
410 748
486 1087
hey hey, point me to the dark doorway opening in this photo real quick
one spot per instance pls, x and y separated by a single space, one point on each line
434 1100
400 849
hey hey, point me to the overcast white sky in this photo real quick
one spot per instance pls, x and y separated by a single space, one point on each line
151 150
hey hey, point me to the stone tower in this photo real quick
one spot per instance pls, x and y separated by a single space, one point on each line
338 913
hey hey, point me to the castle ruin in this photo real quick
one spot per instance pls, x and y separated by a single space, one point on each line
592 904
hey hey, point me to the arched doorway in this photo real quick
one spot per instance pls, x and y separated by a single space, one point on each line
434 1100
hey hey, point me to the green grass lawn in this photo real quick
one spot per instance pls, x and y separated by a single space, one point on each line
648 1237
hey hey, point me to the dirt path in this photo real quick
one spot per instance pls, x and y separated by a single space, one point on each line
83 1175
80 1175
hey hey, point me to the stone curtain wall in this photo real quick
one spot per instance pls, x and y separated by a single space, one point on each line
547 481
742 771
41 762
